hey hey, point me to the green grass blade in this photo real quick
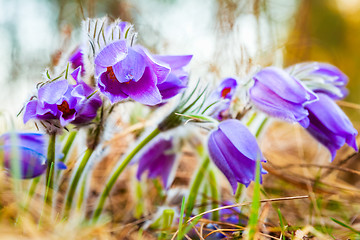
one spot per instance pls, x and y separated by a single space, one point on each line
255 206
182 211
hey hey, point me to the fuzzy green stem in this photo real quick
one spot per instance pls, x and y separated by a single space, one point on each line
214 195
204 199
68 144
115 175
69 141
50 170
195 186
82 193
75 181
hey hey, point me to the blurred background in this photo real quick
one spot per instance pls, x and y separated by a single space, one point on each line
226 37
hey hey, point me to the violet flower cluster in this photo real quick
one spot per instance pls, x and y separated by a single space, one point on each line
305 93
118 70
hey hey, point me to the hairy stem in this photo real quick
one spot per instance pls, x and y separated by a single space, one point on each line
75 181
50 170
115 175
195 186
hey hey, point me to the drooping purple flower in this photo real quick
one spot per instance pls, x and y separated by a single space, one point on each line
132 72
235 151
329 125
158 159
280 95
220 100
76 60
29 149
321 77
58 100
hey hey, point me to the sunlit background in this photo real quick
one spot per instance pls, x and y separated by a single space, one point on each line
226 37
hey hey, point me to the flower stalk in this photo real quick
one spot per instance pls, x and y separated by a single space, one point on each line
195 186
50 170
75 181
115 175
214 194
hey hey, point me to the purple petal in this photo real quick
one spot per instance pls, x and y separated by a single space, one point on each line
175 62
329 125
161 70
218 158
76 60
143 91
171 87
246 144
111 54
61 166
158 159
52 92
131 68
30 148
269 102
111 88
76 74
220 99
332 71
284 85
30 110
35 141
234 150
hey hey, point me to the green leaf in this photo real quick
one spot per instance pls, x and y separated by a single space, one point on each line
181 219
346 226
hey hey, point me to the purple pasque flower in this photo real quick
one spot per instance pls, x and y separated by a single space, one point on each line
280 95
235 151
329 125
220 100
158 159
29 149
59 100
122 73
131 72
321 77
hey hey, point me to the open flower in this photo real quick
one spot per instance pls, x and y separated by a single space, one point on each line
220 100
158 159
132 72
29 149
235 151
321 77
329 125
58 100
280 95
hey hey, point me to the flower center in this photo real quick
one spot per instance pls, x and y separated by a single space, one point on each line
111 73
65 109
225 92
